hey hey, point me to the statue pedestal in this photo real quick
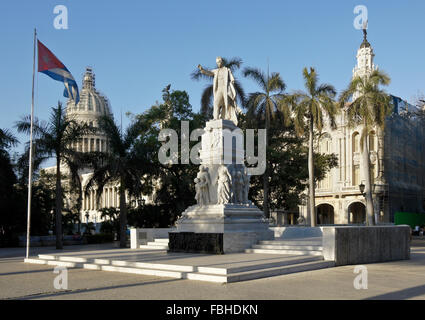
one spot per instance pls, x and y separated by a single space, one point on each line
224 221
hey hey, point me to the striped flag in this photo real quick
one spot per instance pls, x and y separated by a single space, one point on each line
50 65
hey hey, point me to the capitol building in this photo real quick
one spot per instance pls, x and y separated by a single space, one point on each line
91 106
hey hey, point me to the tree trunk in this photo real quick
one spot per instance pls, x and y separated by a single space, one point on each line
266 209
59 244
368 182
312 201
123 216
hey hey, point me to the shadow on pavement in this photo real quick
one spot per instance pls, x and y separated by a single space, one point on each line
401 294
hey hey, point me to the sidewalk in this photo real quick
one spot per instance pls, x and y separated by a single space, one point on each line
391 280
34 251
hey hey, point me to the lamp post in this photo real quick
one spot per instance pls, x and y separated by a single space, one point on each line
361 188
87 222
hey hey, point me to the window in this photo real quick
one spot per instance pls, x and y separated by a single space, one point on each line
372 141
356 142
325 147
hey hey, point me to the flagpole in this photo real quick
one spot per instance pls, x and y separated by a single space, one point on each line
31 153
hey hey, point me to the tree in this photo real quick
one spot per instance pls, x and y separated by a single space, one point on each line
126 162
287 159
262 107
309 108
8 195
369 110
54 139
207 96
174 186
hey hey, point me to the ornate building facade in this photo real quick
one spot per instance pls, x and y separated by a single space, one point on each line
397 158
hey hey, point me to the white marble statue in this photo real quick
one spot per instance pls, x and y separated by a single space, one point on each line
224 91
224 182
202 186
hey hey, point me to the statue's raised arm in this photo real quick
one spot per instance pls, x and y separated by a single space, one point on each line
206 72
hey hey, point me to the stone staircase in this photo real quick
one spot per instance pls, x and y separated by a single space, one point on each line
296 246
234 268
157 244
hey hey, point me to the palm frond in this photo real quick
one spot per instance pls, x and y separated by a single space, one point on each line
206 100
257 75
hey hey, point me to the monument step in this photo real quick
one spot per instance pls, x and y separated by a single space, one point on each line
73 261
155 243
293 242
277 271
154 247
285 252
287 247
242 268
289 260
162 240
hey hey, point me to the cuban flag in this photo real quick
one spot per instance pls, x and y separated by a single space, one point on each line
50 65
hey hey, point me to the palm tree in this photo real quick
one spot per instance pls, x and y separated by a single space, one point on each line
54 139
262 107
309 108
208 94
368 110
125 162
7 139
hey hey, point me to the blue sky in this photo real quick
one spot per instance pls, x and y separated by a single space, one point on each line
136 48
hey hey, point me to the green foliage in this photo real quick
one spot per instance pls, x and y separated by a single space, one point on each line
309 107
264 107
152 216
127 162
174 183
111 221
99 238
55 139
372 105
13 199
287 159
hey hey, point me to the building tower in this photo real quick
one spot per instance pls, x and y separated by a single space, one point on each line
365 58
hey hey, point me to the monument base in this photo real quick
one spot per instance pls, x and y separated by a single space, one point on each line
219 229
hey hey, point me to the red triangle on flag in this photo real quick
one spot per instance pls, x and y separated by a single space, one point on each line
46 59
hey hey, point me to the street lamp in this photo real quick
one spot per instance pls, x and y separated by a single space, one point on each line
362 187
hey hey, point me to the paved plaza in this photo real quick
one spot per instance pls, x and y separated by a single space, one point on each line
391 280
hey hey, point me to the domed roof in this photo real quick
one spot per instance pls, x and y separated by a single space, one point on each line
91 101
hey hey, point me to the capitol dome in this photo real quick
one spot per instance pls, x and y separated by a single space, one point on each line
91 101
92 104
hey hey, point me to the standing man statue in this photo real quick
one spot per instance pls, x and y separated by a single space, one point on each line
224 91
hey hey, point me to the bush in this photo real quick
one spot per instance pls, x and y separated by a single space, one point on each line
99 238
152 216
110 227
